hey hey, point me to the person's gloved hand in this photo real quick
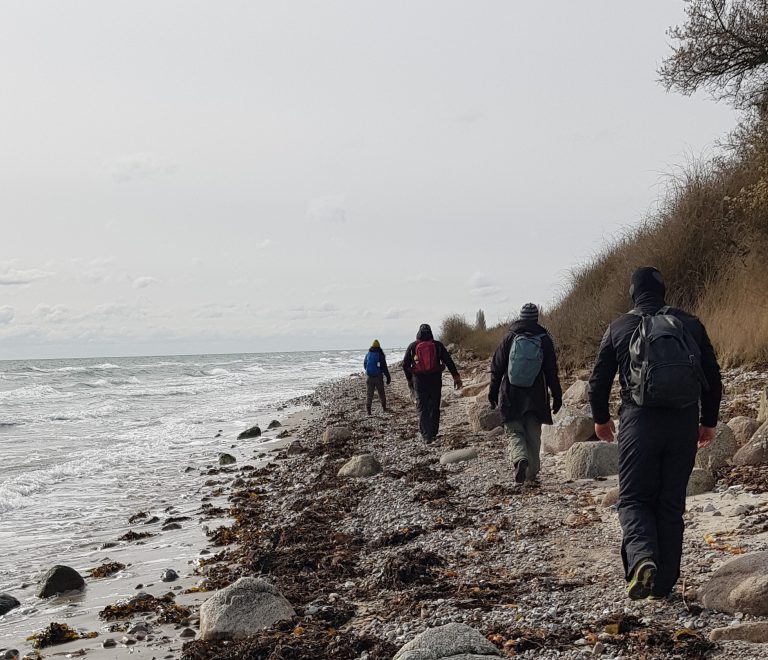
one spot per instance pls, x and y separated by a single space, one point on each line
493 400
556 405
606 432
457 384
389 379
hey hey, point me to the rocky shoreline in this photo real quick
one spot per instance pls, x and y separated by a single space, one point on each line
359 542
369 563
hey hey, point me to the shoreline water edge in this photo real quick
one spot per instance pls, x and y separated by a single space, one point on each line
371 552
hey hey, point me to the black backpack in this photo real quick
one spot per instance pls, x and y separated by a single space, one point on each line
664 362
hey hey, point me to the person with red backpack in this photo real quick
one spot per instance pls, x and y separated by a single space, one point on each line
670 400
423 364
523 374
375 365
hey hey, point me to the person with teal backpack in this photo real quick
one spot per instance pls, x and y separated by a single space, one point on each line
375 365
523 374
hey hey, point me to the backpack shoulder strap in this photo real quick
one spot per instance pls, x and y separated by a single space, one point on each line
635 312
664 310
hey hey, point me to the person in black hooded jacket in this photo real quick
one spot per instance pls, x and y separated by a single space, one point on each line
423 364
525 409
657 445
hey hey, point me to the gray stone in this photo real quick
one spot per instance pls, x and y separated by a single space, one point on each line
476 389
497 432
701 481
253 432
274 424
295 448
459 455
241 609
364 465
7 603
611 498
743 429
109 643
577 394
755 451
740 585
456 641
570 426
336 433
59 580
483 418
227 459
762 412
169 575
11 654
756 632
718 452
587 460
187 633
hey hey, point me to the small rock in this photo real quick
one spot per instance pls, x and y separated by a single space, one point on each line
364 465
238 483
701 481
743 429
756 632
243 607
336 434
611 498
227 459
295 448
569 426
7 603
109 643
187 633
169 575
274 424
253 432
459 455
598 648
127 641
587 460
448 641
720 451
710 508
484 418
58 580
170 527
755 452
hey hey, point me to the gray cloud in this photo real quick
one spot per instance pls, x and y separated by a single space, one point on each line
6 314
327 210
143 282
10 276
135 167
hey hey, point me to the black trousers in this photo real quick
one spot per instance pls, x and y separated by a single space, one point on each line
657 449
428 389
375 383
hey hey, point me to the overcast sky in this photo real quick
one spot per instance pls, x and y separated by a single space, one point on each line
187 176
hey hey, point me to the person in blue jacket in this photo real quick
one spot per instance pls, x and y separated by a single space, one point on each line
375 364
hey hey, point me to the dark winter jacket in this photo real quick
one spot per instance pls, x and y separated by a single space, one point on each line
443 357
382 362
613 355
514 401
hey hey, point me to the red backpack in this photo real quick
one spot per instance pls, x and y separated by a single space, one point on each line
425 360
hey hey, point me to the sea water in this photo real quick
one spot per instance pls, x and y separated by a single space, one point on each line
85 443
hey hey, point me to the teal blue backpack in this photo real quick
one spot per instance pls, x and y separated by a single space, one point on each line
526 356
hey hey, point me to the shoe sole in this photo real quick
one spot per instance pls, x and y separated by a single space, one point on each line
520 470
641 585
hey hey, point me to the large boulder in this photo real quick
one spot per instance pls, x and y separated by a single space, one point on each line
743 428
755 451
577 394
570 426
59 580
483 418
458 455
720 451
253 432
587 460
364 465
336 434
701 481
242 609
7 603
456 641
740 585
762 412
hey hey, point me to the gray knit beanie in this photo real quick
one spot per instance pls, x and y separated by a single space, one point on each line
530 313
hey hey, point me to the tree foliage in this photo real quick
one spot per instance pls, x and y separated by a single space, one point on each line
480 321
722 47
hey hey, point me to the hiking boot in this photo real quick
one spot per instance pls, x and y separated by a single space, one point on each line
641 582
520 469
369 411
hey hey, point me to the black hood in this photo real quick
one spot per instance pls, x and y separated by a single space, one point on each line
531 327
647 289
424 333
